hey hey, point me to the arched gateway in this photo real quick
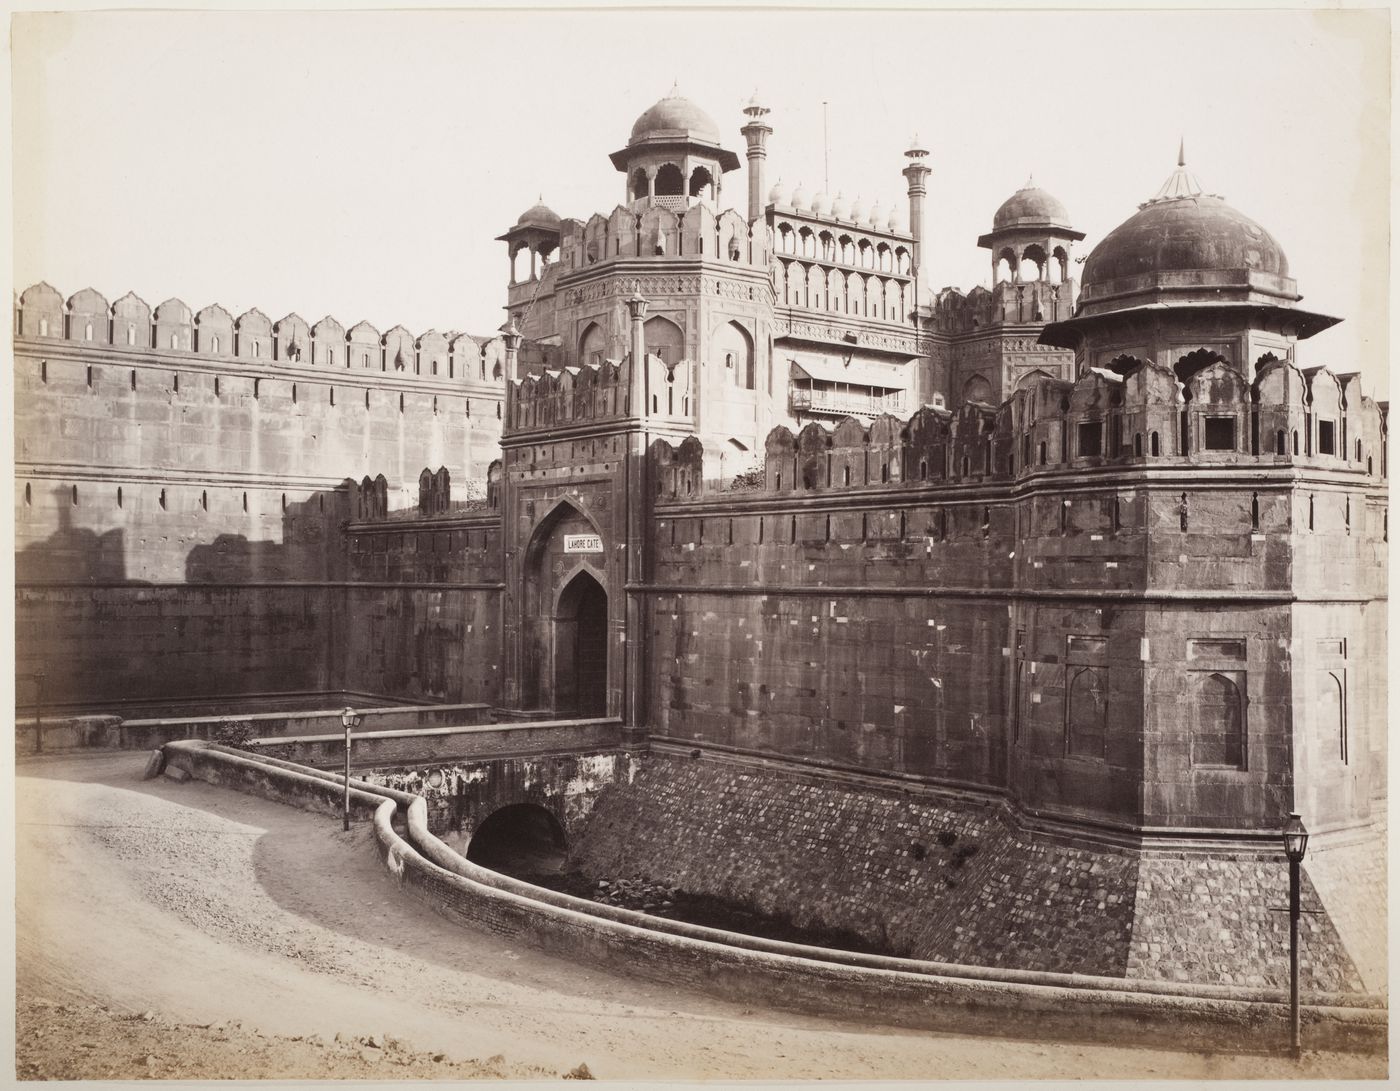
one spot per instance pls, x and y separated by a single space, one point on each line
581 647
566 615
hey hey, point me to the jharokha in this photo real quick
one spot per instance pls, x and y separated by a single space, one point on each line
1094 558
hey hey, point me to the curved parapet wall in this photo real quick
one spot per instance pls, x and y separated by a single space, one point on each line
886 991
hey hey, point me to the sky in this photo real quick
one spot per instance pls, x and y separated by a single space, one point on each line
361 164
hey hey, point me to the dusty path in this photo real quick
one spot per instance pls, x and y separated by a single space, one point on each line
196 905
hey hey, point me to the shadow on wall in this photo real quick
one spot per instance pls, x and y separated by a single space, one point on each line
74 554
228 627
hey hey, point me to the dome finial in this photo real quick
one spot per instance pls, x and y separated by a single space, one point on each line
1181 153
675 89
1030 182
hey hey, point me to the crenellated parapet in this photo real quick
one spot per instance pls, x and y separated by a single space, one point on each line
1132 414
41 313
659 232
555 399
597 393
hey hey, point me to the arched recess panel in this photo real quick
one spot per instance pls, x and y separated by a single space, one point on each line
977 389
734 346
1218 721
664 339
592 346
1086 713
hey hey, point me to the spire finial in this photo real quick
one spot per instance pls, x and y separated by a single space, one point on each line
1030 182
675 89
1181 153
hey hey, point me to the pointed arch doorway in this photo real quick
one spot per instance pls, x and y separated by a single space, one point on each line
581 647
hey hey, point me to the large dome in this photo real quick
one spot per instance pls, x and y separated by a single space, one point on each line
675 118
1030 206
1184 235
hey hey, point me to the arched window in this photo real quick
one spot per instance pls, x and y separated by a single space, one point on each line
1155 445
214 344
702 184
639 184
1042 452
669 181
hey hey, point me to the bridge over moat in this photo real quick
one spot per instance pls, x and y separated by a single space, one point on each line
468 774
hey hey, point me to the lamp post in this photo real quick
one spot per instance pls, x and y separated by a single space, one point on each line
1295 846
349 719
38 711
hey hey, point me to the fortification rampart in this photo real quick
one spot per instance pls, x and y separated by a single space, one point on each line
210 461
1029 601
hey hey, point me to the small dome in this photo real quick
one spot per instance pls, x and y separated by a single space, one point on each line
675 118
838 206
877 214
896 221
1030 206
857 214
821 204
539 215
799 197
778 195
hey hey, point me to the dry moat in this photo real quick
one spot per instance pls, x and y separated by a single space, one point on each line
521 842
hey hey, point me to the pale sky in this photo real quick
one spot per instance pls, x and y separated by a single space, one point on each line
361 164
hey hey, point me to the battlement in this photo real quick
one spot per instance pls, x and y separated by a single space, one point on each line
1136 415
659 232
597 393
252 339
1036 301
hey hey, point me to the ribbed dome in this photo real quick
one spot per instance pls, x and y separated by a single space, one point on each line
675 118
798 200
1184 235
839 208
857 212
539 215
876 216
1030 206
896 221
778 194
821 204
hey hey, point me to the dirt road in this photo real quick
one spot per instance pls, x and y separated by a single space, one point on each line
146 909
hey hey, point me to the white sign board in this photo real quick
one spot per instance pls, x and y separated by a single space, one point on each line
582 543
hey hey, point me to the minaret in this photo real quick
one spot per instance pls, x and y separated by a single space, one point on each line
756 132
917 172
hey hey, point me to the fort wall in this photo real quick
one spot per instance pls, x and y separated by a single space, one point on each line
209 461
1076 600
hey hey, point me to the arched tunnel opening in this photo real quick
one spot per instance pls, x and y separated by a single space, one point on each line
523 839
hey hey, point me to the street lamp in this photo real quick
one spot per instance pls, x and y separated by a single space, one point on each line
38 677
1295 846
349 719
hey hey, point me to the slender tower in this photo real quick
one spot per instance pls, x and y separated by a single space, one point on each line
756 133
917 173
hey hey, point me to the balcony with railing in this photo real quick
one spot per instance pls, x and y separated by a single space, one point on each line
838 400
